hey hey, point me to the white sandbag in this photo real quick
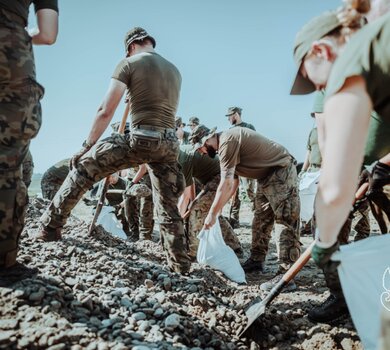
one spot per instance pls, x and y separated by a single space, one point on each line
307 191
214 252
365 278
110 223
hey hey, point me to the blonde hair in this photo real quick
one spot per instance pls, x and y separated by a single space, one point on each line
351 15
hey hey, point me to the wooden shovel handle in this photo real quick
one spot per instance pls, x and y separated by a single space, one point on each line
299 264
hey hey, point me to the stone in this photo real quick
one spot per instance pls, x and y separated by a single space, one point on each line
8 323
70 281
37 296
167 283
172 321
138 316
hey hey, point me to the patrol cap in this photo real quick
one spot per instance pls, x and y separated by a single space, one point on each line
203 140
198 132
137 34
194 121
318 105
232 110
314 30
179 122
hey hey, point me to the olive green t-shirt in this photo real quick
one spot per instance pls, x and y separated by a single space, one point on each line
313 147
252 154
154 88
378 139
20 7
198 166
367 54
245 125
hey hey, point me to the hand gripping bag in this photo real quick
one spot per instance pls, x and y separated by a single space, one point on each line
364 273
213 251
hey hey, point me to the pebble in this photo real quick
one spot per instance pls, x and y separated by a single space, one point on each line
139 316
172 321
37 296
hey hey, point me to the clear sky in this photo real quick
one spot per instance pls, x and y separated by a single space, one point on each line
228 52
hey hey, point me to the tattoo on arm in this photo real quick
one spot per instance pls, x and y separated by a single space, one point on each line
228 173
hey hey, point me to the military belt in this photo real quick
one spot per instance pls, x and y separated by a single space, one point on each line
156 128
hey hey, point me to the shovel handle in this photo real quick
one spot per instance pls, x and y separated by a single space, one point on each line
299 264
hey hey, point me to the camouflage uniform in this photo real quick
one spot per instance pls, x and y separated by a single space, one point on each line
20 121
139 212
53 178
27 169
118 152
198 215
277 201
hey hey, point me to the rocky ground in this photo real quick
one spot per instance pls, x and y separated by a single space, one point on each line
101 292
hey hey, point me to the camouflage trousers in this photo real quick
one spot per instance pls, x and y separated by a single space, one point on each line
249 186
27 169
277 202
116 153
139 213
198 215
20 120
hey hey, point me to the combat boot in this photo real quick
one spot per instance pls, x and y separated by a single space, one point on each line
331 310
15 273
253 265
48 234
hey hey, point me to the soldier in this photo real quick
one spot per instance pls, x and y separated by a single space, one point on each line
27 169
182 135
153 84
20 109
53 178
234 117
243 152
139 210
205 171
355 72
193 123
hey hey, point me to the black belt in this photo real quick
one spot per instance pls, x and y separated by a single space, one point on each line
156 128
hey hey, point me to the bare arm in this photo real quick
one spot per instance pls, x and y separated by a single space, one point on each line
46 33
346 124
106 110
385 159
226 188
185 199
306 162
320 119
140 173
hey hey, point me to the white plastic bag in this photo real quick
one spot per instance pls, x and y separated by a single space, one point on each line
110 223
307 192
214 252
364 273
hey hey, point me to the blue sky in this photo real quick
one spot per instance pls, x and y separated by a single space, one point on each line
228 52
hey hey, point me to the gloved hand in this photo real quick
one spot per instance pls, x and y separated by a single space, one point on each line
321 256
73 161
380 176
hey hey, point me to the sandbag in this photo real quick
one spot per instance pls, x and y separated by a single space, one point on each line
307 191
110 223
214 252
364 273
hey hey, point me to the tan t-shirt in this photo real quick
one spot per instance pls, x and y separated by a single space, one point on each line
154 88
252 154
367 54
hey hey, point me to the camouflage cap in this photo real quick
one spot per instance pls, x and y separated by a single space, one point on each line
137 34
194 121
198 132
232 110
204 138
138 190
316 29
179 122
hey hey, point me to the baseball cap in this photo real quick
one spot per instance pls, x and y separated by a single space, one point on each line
232 110
179 122
203 140
194 121
314 30
137 34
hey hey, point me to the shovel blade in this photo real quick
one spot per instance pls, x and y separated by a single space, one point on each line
253 313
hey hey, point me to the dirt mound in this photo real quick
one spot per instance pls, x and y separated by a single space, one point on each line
100 292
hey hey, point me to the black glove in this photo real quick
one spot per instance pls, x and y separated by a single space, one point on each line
380 177
321 256
73 161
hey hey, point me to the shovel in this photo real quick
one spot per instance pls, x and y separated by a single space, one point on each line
257 309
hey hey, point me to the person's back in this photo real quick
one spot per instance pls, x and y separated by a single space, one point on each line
154 83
